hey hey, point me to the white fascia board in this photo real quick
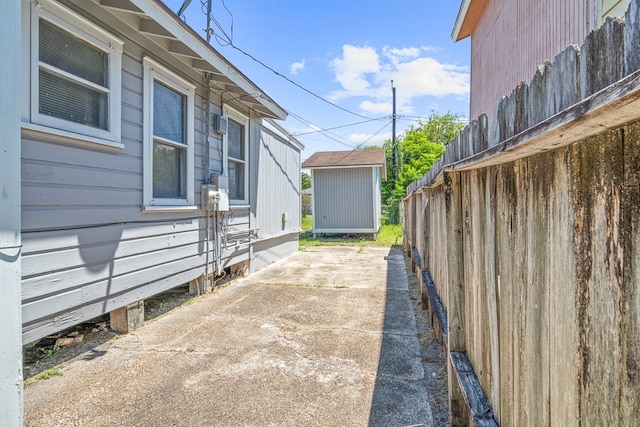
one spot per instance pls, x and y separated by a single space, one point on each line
345 167
462 14
161 14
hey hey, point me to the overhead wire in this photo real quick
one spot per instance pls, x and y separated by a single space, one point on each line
339 127
296 84
323 132
227 40
369 139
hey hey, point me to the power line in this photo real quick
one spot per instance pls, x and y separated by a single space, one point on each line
296 84
368 139
340 127
227 40
323 132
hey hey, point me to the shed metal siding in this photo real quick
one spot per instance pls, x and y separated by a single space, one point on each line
377 207
344 199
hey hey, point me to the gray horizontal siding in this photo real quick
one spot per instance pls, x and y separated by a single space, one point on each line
89 310
88 246
268 251
343 199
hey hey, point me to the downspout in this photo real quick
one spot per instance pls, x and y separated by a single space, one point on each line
248 178
11 389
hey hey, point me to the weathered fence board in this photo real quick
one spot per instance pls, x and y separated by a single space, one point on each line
529 234
596 197
630 231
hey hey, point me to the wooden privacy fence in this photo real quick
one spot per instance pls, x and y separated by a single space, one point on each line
526 236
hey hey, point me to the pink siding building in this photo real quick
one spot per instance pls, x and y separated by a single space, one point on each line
510 38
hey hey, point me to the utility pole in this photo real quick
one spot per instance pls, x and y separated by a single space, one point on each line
208 30
394 146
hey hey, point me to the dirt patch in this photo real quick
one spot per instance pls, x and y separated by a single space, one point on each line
433 359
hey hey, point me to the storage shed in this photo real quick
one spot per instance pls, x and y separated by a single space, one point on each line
346 191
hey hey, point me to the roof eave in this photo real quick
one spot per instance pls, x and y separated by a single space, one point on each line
164 16
468 15
374 165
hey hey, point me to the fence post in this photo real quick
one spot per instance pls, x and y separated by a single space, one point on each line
456 293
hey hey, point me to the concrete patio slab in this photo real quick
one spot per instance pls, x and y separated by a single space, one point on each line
326 337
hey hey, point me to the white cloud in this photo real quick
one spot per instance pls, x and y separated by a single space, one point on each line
352 70
363 72
297 66
396 55
376 107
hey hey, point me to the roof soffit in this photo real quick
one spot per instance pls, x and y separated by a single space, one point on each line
157 23
467 18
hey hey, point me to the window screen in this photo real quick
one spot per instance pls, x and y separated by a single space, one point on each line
168 113
169 166
73 78
236 160
169 161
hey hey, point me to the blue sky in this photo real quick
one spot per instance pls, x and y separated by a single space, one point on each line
346 52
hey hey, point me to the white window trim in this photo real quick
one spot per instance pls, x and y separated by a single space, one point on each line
152 72
67 20
238 117
614 8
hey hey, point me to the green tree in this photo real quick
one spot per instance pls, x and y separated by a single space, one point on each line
306 181
419 148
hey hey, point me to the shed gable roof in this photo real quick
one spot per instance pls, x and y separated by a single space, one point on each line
355 158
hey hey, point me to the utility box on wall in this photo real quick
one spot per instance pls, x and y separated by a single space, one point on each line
215 196
220 124
221 183
209 197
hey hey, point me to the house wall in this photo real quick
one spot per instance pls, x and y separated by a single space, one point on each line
538 31
89 247
344 200
275 192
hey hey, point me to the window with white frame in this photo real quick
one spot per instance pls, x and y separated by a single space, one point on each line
75 73
168 138
237 157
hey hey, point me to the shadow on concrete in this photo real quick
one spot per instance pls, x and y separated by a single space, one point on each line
400 396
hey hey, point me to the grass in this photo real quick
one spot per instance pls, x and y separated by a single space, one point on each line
45 375
307 223
389 235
